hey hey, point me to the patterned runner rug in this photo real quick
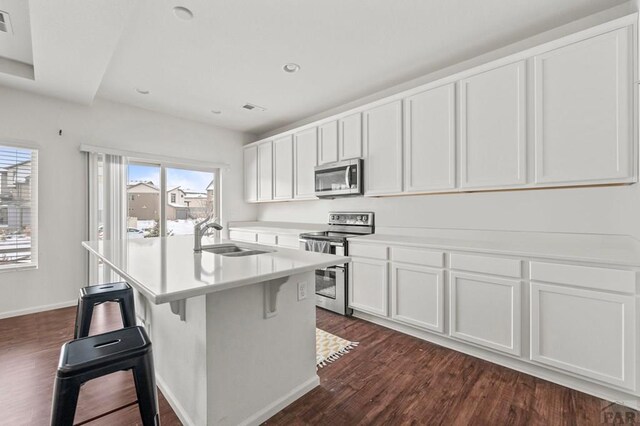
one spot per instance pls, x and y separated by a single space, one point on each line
330 347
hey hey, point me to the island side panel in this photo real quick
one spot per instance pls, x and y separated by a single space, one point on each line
258 365
179 354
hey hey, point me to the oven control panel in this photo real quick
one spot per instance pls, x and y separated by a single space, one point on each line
351 218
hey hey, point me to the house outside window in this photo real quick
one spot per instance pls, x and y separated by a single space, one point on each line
18 206
173 198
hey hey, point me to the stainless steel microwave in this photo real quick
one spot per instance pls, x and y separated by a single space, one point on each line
339 179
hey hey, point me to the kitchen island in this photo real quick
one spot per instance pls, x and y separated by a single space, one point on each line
233 335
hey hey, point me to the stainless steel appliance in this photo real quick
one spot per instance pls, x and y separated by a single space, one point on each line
339 179
331 284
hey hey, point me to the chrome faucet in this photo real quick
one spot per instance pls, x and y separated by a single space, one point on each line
200 229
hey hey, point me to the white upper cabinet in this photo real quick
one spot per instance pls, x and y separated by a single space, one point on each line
265 171
382 138
583 103
430 140
251 173
328 142
283 168
350 137
305 154
493 128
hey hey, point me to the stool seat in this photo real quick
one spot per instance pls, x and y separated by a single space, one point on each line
91 357
106 290
103 350
91 296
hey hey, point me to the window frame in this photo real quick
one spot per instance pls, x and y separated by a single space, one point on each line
33 203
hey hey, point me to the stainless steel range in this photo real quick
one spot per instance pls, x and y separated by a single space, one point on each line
332 283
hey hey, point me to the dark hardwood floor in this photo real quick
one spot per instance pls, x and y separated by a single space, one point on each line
389 379
395 379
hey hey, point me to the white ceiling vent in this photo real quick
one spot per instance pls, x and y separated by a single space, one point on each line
251 107
5 23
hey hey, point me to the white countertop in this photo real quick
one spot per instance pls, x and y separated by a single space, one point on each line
621 250
167 269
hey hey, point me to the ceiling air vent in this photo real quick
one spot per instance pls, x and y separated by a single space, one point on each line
251 107
5 23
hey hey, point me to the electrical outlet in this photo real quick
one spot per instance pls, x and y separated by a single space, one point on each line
302 291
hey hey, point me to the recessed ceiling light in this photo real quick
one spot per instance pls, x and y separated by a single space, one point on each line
291 67
216 111
183 13
142 91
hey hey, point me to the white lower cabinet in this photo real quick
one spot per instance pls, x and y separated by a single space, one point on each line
486 311
585 332
247 236
368 285
417 296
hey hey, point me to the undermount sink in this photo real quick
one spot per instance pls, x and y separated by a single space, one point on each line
232 250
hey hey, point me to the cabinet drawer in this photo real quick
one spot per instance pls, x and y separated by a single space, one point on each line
585 332
585 276
243 236
372 251
289 241
487 265
269 239
417 256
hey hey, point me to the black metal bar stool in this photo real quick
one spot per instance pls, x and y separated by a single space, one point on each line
91 357
94 295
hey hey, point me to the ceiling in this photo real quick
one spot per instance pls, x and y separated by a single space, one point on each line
232 52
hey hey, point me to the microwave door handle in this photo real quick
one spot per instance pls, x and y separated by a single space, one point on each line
347 177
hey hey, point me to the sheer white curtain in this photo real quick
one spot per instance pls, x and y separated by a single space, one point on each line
107 207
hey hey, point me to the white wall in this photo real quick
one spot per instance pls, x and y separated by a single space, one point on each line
63 180
609 210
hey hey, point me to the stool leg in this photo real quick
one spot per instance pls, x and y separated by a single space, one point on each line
145 381
84 313
128 310
65 399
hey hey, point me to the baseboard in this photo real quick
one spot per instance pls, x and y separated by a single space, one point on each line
277 406
173 402
37 309
564 379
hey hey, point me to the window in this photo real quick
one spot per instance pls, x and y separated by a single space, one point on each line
156 215
18 206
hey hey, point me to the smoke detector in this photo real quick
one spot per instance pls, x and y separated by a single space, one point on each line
251 107
5 23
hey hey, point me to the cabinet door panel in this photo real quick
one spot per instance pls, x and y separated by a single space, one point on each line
283 168
265 171
368 286
306 158
417 296
585 332
328 142
493 128
350 142
251 173
583 104
430 140
486 311
383 149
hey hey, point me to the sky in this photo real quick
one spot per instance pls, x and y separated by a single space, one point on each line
186 179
